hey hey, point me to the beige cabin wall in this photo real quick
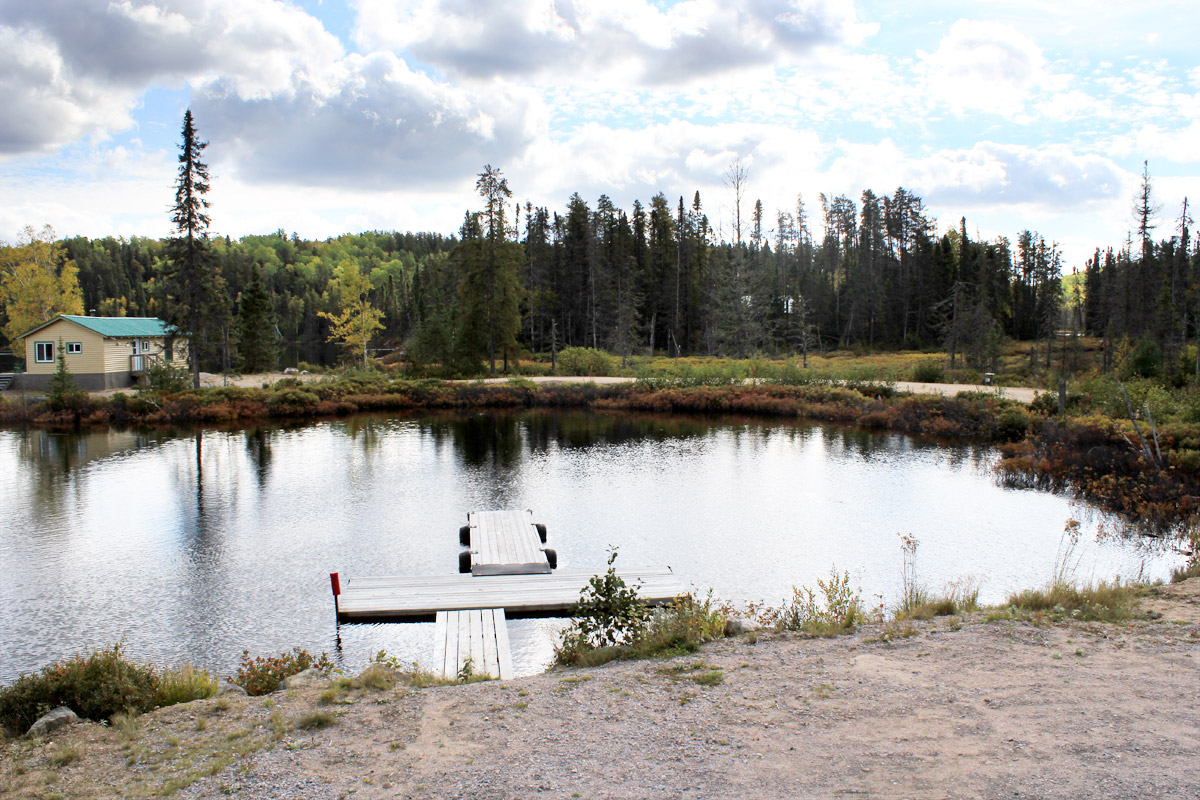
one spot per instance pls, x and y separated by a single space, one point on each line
91 360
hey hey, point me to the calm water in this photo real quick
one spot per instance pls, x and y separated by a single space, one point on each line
195 547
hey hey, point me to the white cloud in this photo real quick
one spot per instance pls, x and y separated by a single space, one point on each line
984 66
73 69
583 38
370 122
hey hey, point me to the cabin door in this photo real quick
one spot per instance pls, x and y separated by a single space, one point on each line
136 363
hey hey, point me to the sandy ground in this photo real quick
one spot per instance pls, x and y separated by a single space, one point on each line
945 709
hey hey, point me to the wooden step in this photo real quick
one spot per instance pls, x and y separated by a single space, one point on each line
477 634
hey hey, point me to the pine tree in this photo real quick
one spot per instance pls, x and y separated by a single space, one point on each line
256 327
194 294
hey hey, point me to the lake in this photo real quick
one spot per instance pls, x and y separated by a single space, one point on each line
195 546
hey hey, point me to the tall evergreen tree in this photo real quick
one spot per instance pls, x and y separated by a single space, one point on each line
490 266
256 327
194 296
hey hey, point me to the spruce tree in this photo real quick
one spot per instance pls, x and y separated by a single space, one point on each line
256 327
194 298
62 391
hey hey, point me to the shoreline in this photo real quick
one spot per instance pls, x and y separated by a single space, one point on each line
952 707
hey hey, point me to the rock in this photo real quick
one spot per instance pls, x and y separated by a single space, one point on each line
291 371
735 626
228 687
304 680
53 721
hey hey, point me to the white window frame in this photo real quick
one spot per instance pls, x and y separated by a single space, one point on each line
37 352
74 348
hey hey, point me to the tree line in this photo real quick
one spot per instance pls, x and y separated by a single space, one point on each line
870 270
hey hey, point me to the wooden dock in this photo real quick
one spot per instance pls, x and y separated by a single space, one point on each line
510 576
505 543
419 598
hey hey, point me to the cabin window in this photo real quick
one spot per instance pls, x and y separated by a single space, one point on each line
74 348
43 352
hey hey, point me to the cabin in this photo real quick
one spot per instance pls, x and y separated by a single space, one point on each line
101 352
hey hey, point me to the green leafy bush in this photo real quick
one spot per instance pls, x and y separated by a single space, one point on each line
609 611
95 686
263 674
584 361
928 372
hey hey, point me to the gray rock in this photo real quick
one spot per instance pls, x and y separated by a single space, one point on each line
735 626
228 687
304 680
53 721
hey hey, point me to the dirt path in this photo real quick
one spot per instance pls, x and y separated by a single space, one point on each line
936 710
262 379
1020 394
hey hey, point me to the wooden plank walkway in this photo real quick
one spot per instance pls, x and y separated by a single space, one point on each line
419 598
505 543
477 634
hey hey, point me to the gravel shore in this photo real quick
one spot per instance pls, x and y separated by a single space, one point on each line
945 709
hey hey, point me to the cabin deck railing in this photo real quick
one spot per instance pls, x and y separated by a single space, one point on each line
141 364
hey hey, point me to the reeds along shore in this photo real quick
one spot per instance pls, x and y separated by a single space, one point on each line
1097 458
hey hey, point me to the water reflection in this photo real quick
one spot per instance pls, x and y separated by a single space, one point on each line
196 545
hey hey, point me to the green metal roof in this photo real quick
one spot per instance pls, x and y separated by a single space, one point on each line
113 327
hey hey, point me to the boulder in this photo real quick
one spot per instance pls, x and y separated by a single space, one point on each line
735 626
304 680
229 687
53 721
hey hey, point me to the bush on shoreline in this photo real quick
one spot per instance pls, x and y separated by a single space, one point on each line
96 686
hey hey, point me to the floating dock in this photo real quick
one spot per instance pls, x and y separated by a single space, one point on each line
510 577
505 543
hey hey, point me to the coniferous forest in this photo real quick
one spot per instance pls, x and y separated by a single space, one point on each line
874 271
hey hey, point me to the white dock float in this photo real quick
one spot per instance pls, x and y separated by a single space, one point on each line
478 634
418 598
505 543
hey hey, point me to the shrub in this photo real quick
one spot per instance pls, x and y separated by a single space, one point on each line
928 372
262 675
609 611
95 686
584 361
166 378
670 631
839 611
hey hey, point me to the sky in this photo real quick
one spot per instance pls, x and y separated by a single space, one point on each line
326 117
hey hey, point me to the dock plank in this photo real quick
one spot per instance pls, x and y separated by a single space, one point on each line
480 634
551 595
503 650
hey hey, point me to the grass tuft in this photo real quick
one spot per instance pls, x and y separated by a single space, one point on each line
315 720
1102 602
184 684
